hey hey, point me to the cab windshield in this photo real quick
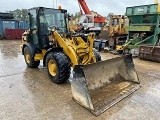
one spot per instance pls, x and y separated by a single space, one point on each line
53 17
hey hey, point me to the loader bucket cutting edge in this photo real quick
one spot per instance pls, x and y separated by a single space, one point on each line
99 86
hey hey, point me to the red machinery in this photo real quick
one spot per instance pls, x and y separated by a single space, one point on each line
90 22
83 5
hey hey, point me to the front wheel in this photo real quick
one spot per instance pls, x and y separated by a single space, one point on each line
29 58
58 67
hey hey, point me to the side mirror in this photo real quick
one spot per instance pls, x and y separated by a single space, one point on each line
69 17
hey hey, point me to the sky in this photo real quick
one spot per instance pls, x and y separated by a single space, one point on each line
103 7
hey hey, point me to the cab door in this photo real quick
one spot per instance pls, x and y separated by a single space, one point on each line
33 36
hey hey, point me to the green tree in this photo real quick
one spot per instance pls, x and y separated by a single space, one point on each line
20 14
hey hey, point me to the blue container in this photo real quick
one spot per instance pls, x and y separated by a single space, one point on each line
27 25
21 24
24 24
1 30
10 24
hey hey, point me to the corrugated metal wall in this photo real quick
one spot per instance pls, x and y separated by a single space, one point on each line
12 34
17 26
24 24
10 28
9 24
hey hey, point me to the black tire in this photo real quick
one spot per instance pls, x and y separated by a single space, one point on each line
30 61
97 55
63 67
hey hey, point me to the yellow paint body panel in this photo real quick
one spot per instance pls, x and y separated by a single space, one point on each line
76 49
40 56
119 47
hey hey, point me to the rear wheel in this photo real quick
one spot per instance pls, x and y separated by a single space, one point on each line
29 58
97 55
58 67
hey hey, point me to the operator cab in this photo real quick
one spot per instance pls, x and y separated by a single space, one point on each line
40 20
86 20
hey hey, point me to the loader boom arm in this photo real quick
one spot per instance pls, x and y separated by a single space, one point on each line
76 49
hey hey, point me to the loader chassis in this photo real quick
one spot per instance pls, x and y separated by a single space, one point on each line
49 40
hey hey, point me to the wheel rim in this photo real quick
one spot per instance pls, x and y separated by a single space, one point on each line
27 57
52 67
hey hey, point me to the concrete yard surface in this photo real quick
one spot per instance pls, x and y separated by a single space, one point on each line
28 94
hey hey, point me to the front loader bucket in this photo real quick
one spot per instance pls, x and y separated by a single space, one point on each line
100 85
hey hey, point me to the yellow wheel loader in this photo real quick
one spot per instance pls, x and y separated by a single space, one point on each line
115 32
95 84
